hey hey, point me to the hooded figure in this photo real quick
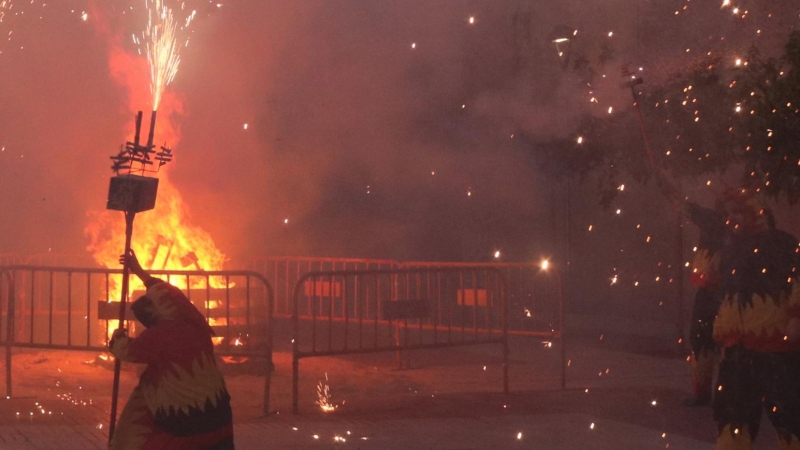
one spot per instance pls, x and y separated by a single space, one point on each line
705 276
181 401
757 327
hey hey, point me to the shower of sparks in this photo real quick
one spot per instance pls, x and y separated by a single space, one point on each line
5 5
324 396
162 48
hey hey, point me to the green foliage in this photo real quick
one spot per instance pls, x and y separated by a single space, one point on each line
704 120
768 126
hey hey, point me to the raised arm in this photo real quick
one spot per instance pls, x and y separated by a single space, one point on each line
668 189
136 268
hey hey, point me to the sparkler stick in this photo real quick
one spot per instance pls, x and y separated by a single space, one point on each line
679 224
126 270
129 216
130 194
632 85
152 130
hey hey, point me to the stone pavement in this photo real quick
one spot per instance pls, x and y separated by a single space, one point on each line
615 400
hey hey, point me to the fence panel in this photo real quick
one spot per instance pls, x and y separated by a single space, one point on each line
66 308
283 273
535 298
349 312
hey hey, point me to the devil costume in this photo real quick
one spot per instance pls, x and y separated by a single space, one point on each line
760 367
705 275
181 402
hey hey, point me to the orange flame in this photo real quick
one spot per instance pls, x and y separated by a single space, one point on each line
163 238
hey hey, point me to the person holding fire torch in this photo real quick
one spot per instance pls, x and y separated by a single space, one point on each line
758 327
181 402
705 276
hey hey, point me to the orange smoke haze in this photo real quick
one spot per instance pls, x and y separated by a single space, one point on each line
165 237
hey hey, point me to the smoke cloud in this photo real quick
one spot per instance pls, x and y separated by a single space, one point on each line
374 129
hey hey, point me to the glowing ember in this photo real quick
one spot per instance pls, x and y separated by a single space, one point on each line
324 396
220 322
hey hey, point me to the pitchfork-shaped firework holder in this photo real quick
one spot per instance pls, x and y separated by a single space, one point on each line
132 192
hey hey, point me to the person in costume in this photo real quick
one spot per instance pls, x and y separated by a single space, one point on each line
705 276
758 327
181 402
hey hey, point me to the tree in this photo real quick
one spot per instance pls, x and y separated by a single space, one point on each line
705 119
767 123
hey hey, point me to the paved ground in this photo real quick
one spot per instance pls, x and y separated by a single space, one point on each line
615 400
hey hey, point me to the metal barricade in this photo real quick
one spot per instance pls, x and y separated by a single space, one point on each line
63 308
535 300
535 295
284 272
352 312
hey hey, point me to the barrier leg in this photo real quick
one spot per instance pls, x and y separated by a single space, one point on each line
8 370
505 367
10 331
398 353
267 383
295 380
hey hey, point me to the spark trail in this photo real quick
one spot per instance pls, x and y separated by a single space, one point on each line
4 5
163 51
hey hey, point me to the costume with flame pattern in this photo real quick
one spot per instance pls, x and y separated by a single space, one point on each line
755 325
705 275
181 401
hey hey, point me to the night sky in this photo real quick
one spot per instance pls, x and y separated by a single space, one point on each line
378 129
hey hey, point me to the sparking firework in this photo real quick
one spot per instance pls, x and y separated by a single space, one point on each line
163 52
5 5
324 396
161 40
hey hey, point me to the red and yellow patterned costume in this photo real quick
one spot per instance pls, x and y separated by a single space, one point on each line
705 275
760 368
181 402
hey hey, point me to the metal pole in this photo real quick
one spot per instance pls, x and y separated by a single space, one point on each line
270 364
633 85
505 300
562 331
150 136
564 289
679 279
12 295
295 343
129 216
